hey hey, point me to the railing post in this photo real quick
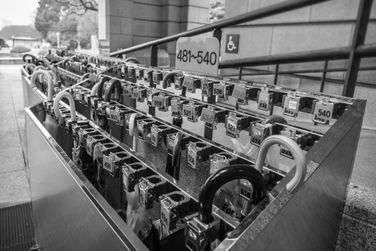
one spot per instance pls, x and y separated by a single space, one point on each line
240 73
358 39
324 76
208 132
154 55
276 74
153 62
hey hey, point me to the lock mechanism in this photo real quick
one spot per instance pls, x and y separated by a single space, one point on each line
139 93
191 83
116 114
207 87
158 134
264 99
220 160
259 132
236 123
177 106
192 111
199 235
174 206
128 89
92 140
246 191
178 82
162 101
144 127
302 139
197 152
139 73
222 90
157 77
150 188
113 160
291 105
131 174
241 93
212 116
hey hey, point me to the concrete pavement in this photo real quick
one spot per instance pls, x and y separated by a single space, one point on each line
14 183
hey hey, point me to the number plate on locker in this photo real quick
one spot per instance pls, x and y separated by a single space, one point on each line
323 112
199 55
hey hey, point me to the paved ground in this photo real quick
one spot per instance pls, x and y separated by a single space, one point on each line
14 185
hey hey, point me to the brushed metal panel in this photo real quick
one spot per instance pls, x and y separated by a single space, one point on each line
66 216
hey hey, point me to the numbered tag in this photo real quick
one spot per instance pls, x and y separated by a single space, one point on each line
240 94
199 55
158 101
232 125
168 215
176 107
208 116
128 179
157 77
323 112
89 145
246 191
77 94
124 70
259 132
188 111
192 157
97 151
128 90
291 106
207 87
190 84
196 153
178 82
264 100
219 89
108 162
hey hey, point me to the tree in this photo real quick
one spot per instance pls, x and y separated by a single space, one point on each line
48 15
78 7
87 26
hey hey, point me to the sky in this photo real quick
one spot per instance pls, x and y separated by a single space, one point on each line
17 12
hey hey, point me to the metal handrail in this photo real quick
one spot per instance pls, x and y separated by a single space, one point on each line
367 50
246 17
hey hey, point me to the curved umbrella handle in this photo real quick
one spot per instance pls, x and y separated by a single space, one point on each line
132 120
72 105
48 76
300 159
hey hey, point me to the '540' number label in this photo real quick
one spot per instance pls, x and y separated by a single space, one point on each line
323 112
201 57
198 55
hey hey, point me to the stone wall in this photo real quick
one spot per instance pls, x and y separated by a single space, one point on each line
124 23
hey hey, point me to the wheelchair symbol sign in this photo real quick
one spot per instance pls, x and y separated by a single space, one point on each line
232 43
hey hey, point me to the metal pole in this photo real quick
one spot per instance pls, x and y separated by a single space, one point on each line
358 39
276 74
208 132
240 73
324 76
367 50
153 62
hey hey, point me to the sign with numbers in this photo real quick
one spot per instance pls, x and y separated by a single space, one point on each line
323 112
199 55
